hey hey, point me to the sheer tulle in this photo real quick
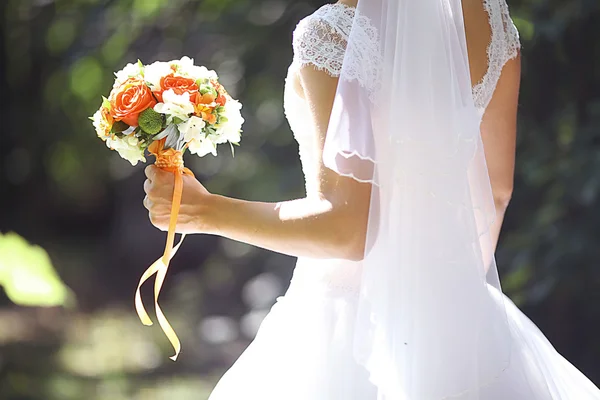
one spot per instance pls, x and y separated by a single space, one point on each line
425 313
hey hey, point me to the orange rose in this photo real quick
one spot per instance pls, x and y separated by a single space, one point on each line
206 98
179 84
204 106
130 99
221 99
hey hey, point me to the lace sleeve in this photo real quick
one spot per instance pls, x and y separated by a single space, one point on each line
321 40
318 42
504 46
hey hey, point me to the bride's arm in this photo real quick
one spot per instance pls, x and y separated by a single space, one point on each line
332 223
498 132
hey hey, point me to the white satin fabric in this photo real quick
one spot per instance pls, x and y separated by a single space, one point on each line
304 351
422 317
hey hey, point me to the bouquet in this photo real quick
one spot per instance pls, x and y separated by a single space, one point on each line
167 108
177 101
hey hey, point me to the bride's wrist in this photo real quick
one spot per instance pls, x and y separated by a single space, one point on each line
208 214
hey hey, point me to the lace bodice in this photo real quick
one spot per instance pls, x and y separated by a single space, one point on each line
320 40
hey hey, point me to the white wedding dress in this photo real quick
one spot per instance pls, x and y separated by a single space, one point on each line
303 350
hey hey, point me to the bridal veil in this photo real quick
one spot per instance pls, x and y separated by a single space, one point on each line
431 321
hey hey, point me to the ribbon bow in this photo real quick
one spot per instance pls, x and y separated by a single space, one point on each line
168 160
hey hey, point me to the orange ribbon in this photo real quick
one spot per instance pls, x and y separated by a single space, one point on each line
169 160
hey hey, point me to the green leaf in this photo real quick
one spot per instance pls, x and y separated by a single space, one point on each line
141 65
106 103
177 120
208 88
27 274
119 126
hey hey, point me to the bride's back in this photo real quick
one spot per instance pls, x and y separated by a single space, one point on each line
492 41
493 46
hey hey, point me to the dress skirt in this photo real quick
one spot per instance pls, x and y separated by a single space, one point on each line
303 351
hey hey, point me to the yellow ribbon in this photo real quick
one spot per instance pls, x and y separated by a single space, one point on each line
169 160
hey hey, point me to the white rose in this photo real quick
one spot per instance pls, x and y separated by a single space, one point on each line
229 131
186 67
155 71
202 147
129 71
175 105
128 148
192 129
185 62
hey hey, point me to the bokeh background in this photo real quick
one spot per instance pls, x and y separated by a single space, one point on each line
75 236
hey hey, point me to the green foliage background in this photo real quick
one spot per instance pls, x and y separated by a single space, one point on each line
64 191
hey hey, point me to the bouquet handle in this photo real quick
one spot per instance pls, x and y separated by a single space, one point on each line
170 160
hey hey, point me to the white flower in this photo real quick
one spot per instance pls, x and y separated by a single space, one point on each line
175 105
229 131
192 129
129 71
102 126
128 148
203 147
186 68
155 71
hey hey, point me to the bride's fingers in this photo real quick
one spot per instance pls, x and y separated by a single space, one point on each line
157 209
147 186
147 203
160 222
158 176
150 172
160 208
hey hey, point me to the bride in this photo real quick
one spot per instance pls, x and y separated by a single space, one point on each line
405 115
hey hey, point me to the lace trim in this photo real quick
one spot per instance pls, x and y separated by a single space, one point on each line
364 59
504 46
321 38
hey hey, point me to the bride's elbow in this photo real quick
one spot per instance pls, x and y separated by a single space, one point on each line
350 209
355 250
350 239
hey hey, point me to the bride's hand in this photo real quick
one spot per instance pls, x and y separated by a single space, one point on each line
159 196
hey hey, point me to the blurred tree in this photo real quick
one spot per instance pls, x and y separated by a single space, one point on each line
64 191
27 274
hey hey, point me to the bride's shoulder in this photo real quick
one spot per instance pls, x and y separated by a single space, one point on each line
334 16
320 38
